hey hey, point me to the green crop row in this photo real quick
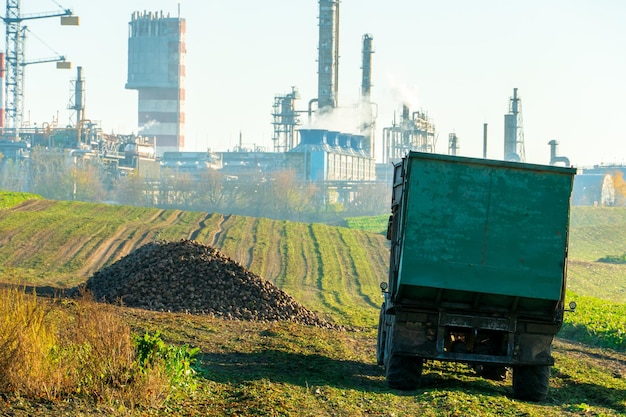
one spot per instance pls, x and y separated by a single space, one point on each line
305 266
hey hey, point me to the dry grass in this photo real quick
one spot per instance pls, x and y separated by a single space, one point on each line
23 336
60 348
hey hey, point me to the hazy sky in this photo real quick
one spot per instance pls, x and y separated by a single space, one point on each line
457 60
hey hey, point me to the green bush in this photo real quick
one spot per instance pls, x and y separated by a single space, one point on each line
614 259
151 351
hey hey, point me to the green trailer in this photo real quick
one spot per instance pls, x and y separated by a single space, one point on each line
477 268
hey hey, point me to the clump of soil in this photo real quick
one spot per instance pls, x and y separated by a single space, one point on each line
187 276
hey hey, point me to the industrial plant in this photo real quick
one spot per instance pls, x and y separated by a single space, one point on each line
341 161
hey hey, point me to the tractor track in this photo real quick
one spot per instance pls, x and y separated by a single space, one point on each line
126 239
214 238
195 233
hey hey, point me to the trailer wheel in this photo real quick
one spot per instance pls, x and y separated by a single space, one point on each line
403 372
382 337
530 383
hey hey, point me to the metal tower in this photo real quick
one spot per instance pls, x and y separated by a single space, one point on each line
414 132
513 131
156 69
367 114
77 101
366 81
15 58
328 55
286 118
453 144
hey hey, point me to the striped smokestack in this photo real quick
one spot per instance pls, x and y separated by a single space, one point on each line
156 69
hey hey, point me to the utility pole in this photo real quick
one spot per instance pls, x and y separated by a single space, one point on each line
15 59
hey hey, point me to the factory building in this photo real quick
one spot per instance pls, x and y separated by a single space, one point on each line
156 69
324 155
193 163
600 185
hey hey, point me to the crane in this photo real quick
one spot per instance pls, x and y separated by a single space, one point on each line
15 58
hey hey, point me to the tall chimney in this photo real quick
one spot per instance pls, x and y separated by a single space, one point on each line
79 95
328 54
485 140
366 80
367 115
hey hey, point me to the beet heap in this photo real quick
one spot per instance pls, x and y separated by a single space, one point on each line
187 276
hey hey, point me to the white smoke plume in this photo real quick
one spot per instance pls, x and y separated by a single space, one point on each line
341 119
148 125
403 93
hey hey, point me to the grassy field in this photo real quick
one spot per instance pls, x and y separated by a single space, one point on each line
283 369
11 198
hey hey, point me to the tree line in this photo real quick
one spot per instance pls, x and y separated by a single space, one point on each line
55 174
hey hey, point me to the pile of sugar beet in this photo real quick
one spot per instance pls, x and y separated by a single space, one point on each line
187 276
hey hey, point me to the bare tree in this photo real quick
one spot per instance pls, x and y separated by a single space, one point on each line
51 174
210 191
370 199
131 189
620 188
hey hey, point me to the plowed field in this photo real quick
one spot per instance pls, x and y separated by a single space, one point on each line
61 244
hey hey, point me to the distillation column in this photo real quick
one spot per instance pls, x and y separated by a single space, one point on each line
513 131
79 102
328 55
367 114
285 119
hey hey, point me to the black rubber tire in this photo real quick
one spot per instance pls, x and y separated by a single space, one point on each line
403 372
530 383
382 337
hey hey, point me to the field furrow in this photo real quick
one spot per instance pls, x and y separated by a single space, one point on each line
280 278
333 261
204 227
295 265
365 282
236 238
265 254
223 236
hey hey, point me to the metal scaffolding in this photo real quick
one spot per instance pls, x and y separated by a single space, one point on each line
285 120
513 131
415 132
15 59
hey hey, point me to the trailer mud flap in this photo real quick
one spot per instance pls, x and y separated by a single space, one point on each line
410 338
